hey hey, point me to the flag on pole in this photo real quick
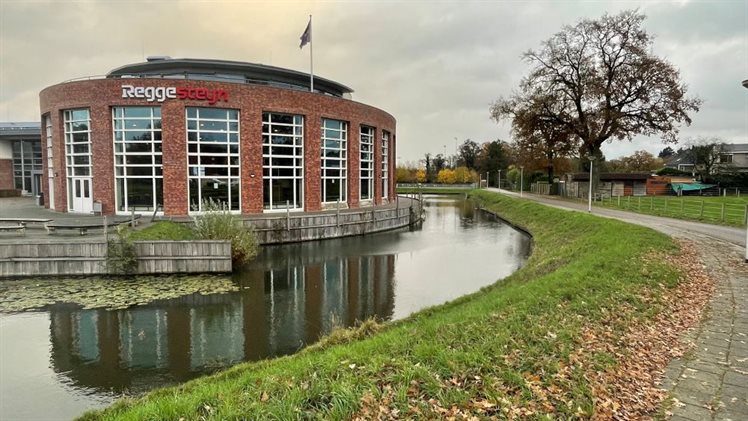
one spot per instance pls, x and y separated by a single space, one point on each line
306 37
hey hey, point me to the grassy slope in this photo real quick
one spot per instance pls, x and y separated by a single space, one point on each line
480 347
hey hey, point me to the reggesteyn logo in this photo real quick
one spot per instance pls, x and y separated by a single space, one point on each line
161 93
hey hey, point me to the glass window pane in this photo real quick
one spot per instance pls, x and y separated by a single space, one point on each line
79 115
140 193
219 126
140 112
138 147
139 171
213 148
139 159
213 113
80 127
213 137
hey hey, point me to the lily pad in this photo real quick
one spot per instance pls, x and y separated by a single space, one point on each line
108 293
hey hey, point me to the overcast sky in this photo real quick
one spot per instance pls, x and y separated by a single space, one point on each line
435 65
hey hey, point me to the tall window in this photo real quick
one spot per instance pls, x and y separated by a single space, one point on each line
138 175
213 155
78 159
385 163
367 163
27 161
334 160
50 163
282 161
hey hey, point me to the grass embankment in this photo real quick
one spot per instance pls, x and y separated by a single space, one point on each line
729 211
509 350
164 230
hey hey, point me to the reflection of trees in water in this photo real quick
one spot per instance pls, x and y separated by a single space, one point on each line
170 341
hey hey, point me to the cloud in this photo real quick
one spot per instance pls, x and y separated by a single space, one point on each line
435 65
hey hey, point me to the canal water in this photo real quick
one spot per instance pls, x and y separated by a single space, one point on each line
57 363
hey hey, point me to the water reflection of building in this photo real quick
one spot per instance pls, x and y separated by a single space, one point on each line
276 312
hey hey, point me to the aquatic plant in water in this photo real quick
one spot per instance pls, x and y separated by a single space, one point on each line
108 293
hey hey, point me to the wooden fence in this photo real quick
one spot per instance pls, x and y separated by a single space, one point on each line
680 207
154 257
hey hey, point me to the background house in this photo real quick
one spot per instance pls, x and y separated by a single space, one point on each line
728 158
20 159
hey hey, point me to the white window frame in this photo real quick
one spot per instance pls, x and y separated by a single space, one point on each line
197 171
75 169
366 174
121 166
334 150
50 162
296 149
385 163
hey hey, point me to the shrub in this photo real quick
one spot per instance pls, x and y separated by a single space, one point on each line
217 223
673 172
446 176
120 253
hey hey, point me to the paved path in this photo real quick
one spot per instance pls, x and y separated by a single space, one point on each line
711 383
26 207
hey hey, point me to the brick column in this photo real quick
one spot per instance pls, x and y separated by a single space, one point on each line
174 150
312 151
102 150
250 137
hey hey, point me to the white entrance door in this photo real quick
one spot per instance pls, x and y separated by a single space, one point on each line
82 198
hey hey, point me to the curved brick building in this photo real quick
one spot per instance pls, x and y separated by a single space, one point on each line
168 134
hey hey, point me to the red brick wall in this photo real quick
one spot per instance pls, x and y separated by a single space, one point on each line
6 174
251 100
658 186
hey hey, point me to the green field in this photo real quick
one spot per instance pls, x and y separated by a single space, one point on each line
730 210
510 348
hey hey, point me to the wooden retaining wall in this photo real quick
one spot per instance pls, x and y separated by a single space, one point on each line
154 257
290 228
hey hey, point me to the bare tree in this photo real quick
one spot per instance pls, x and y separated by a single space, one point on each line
639 161
538 139
599 80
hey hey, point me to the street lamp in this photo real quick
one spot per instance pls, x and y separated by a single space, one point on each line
454 157
589 202
745 85
521 179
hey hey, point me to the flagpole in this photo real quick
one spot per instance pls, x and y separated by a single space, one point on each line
311 56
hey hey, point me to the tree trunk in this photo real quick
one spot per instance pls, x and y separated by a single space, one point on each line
592 151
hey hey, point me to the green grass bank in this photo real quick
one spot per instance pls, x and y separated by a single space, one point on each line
163 230
730 211
508 349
